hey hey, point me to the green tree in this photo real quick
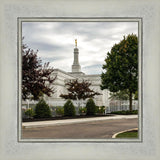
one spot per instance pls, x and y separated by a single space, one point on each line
136 95
120 95
121 67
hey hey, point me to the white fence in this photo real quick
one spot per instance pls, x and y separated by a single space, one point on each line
119 105
62 102
114 105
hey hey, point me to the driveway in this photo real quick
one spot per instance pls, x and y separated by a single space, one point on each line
88 129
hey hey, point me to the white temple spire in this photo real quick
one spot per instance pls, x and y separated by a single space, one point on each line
76 67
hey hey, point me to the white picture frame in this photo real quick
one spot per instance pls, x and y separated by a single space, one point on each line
22 20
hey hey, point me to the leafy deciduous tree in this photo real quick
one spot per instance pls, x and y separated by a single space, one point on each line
120 95
79 90
121 67
36 79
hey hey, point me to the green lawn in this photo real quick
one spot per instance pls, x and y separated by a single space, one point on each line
129 134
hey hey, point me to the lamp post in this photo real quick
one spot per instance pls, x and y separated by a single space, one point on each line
27 104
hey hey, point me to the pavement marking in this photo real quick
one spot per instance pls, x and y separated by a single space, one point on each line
72 121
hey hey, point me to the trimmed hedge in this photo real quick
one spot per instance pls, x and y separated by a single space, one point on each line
125 112
42 110
91 107
69 108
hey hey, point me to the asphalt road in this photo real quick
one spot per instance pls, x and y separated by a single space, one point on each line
95 129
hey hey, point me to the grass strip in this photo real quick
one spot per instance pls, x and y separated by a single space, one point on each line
129 134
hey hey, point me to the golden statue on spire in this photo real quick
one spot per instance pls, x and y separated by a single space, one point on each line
76 42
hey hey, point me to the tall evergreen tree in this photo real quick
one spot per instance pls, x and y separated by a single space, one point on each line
121 67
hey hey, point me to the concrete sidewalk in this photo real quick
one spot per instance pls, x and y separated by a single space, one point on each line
71 121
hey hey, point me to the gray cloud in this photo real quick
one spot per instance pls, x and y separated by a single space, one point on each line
93 69
44 46
55 41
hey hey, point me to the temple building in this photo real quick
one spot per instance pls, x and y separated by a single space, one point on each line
62 77
95 79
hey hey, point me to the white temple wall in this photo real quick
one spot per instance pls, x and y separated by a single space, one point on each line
105 97
60 88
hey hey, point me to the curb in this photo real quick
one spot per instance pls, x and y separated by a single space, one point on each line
65 122
133 129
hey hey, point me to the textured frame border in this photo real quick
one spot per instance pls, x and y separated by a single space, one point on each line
20 20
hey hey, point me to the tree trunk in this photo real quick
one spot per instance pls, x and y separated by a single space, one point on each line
130 101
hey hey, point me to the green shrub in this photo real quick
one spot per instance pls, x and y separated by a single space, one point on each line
60 111
69 109
82 110
42 110
91 107
125 112
100 110
135 111
29 112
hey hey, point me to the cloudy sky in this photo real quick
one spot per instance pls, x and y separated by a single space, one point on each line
56 41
